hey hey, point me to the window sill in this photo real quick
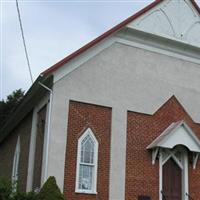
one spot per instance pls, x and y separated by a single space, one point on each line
85 192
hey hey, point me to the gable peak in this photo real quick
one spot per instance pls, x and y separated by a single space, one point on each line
174 19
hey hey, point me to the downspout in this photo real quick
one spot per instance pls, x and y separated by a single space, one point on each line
48 130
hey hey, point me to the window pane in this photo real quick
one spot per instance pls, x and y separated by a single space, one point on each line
87 150
85 177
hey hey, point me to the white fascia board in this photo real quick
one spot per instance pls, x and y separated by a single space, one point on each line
32 146
168 136
154 155
138 39
193 135
82 58
159 44
181 136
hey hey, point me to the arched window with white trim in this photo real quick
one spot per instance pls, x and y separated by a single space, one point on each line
87 157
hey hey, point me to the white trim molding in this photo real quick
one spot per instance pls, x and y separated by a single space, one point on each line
159 44
155 153
84 162
32 146
16 163
195 159
178 133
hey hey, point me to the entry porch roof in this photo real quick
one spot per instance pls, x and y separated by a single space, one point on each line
178 133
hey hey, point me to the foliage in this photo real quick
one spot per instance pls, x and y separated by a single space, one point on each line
5 189
25 196
9 105
50 191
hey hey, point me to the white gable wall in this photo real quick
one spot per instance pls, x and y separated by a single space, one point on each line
176 19
125 78
127 75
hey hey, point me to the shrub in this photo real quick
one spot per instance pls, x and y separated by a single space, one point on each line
25 196
5 189
7 192
50 191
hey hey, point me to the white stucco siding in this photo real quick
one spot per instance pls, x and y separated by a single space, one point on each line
124 78
177 19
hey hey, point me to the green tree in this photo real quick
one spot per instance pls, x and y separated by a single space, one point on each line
9 105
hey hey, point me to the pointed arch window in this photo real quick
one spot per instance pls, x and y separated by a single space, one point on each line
16 162
87 156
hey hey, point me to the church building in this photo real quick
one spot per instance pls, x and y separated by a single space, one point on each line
119 119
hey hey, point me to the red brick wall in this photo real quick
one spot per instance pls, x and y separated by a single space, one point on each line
98 118
142 178
7 150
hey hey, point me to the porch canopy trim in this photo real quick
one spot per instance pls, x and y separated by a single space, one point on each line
178 133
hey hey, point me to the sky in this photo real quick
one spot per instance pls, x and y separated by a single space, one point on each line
53 30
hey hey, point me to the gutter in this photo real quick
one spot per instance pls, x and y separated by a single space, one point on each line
48 130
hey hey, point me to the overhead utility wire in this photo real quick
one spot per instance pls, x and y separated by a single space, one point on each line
24 43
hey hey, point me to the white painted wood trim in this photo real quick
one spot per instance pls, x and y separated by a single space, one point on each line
160 50
192 143
195 159
15 167
136 40
186 180
172 155
154 155
32 146
160 174
32 152
45 153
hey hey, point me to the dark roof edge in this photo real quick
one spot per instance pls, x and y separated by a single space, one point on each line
195 5
32 96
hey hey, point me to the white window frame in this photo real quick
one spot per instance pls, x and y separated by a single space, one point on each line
16 163
78 163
